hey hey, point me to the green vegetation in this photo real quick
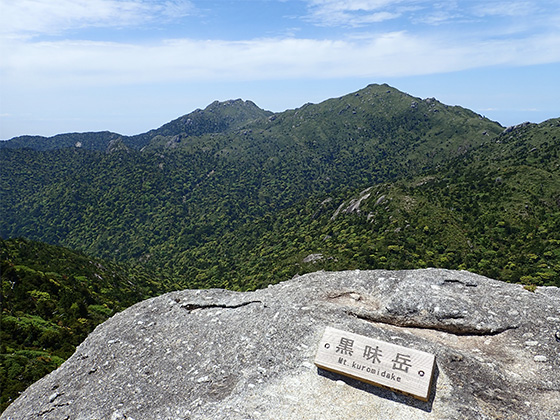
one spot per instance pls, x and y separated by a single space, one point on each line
52 298
182 191
218 117
233 196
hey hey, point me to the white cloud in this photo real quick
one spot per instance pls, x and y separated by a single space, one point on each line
352 12
80 63
46 57
27 61
33 17
353 5
358 13
510 8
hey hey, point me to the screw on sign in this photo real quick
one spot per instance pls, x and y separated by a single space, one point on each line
399 368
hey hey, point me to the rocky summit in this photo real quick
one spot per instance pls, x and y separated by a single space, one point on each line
218 354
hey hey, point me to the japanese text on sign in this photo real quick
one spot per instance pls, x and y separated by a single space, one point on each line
377 362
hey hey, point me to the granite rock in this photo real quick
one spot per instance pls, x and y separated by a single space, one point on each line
217 354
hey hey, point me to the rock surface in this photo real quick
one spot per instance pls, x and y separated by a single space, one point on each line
215 354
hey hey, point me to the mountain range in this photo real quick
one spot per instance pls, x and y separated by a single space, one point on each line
195 199
237 197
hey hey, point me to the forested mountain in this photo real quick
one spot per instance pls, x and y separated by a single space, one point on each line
234 196
182 190
217 117
238 197
91 141
494 211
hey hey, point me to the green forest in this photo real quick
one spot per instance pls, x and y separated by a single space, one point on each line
52 298
236 197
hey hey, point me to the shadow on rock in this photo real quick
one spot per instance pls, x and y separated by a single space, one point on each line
386 393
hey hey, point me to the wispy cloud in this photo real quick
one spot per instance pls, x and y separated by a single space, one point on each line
390 54
35 17
382 52
352 12
53 49
358 13
510 8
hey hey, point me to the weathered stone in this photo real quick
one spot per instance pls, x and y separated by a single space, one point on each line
353 206
215 354
313 258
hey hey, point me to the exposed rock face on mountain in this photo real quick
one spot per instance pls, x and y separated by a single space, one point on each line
216 354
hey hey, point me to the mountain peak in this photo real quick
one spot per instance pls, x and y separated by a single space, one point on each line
217 117
231 103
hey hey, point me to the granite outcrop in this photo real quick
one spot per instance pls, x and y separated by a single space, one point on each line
218 354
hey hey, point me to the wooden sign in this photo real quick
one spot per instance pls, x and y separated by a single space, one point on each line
376 362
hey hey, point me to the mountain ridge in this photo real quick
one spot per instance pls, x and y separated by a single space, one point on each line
235 113
181 195
373 135
216 117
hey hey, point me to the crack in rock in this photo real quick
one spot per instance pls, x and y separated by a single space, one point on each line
463 330
467 283
54 407
193 306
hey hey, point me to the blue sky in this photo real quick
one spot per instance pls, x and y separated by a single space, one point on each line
132 65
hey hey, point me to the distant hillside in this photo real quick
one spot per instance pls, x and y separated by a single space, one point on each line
217 117
52 298
493 211
90 141
234 196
